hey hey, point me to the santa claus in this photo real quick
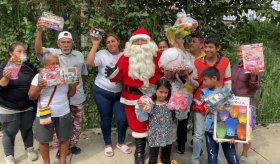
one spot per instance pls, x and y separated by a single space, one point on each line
137 69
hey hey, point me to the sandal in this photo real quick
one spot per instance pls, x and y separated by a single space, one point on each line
243 159
108 151
173 161
124 148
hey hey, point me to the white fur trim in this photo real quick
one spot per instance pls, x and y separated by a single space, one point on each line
128 102
140 36
139 135
114 74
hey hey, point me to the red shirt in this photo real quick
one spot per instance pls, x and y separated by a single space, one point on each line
223 65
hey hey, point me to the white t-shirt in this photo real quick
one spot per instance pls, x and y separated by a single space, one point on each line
103 58
60 104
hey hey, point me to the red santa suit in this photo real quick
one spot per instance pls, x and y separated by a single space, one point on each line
131 91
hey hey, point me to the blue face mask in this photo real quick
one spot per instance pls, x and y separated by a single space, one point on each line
23 57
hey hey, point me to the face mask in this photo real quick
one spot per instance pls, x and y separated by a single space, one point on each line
23 57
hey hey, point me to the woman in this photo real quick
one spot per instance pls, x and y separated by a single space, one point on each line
107 94
163 45
16 116
246 85
53 112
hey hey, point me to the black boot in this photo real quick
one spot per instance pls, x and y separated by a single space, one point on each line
140 144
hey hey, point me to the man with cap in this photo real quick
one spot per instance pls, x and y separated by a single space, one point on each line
67 58
137 69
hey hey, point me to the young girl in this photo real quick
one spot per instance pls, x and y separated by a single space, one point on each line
169 59
160 123
246 85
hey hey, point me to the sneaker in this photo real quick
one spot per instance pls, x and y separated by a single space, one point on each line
180 151
75 150
32 155
9 160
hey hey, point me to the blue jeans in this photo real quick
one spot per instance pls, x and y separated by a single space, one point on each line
213 150
108 103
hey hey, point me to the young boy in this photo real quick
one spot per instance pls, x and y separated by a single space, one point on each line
211 78
212 47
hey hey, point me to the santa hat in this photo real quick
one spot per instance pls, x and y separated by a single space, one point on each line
140 33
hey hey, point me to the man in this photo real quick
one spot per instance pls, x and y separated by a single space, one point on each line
67 58
137 70
196 42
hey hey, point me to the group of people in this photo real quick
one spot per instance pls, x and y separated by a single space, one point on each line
142 68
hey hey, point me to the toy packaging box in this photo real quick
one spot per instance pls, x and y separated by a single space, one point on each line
55 75
253 57
52 21
69 74
14 69
233 123
52 74
96 32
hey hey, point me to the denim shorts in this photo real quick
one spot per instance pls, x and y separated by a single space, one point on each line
61 125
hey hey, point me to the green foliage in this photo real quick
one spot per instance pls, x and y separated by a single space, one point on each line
18 23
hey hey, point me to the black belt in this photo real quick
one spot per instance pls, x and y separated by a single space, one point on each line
132 90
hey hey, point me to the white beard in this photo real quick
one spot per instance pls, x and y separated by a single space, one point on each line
141 61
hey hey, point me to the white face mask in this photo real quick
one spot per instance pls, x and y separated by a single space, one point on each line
23 57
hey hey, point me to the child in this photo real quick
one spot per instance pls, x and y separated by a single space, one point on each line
211 78
160 127
56 116
168 63
196 43
212 47
246 85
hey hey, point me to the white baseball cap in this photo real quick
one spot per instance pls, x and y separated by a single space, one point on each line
64 34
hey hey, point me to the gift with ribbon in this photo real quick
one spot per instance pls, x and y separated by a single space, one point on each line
148 103
177 101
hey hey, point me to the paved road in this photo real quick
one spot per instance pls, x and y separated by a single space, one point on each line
265 149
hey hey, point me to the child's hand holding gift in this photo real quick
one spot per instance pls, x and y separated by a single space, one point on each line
145 103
